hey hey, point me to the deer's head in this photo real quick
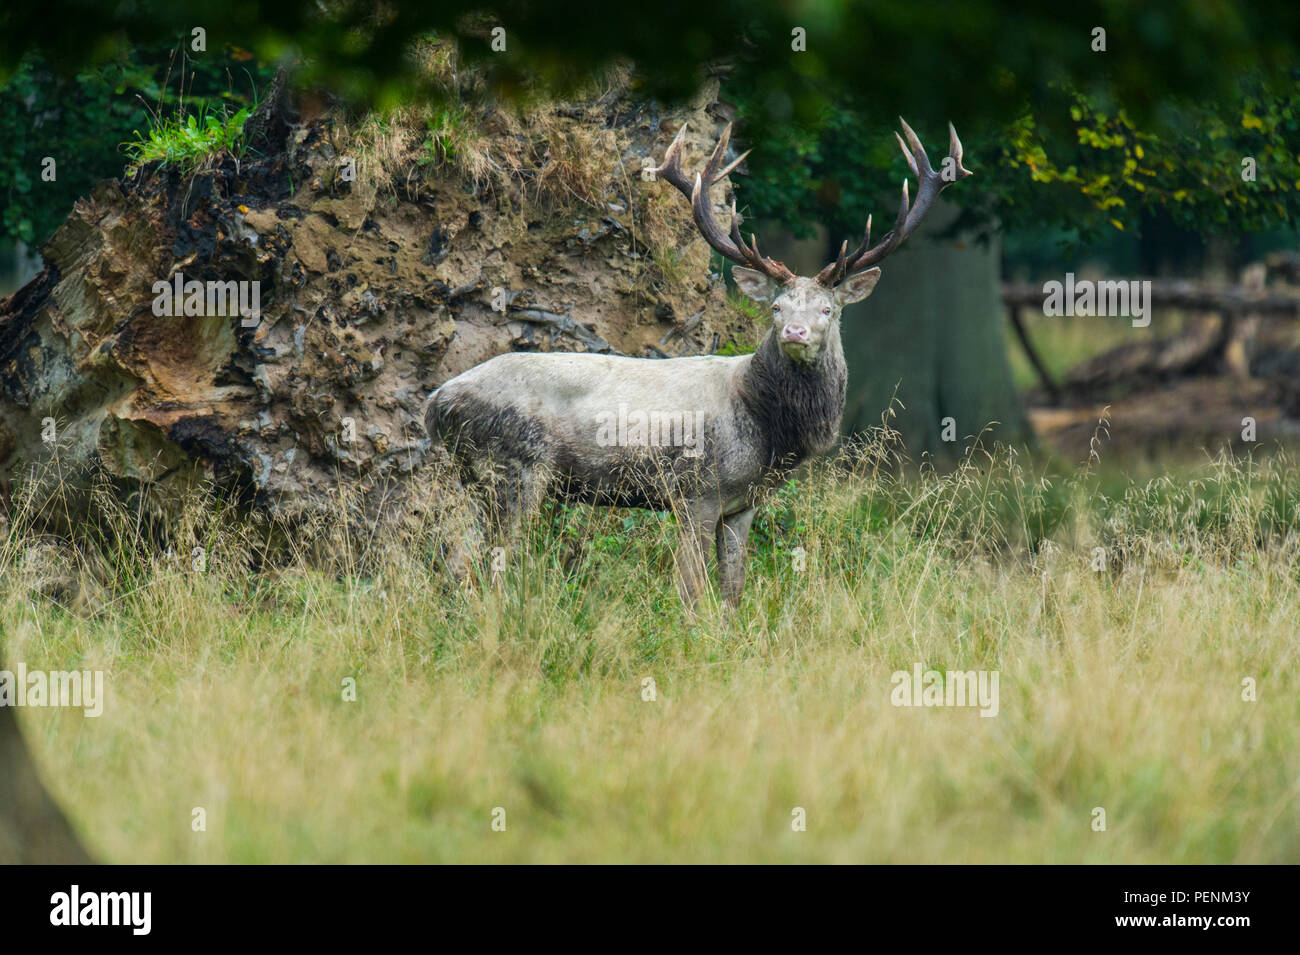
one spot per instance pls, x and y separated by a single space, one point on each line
805 310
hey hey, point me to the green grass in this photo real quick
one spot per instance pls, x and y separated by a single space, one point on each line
187 141
1119 689
448 128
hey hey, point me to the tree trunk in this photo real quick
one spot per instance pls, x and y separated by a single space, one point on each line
33 830
933 335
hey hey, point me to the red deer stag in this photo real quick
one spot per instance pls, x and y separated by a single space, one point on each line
702 436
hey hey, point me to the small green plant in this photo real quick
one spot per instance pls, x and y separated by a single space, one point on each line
447 128
189 141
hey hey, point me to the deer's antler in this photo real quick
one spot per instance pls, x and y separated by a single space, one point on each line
929 184
726 242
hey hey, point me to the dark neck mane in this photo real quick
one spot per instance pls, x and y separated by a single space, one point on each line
797 407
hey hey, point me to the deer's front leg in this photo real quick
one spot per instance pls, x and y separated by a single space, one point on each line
733 540
698 520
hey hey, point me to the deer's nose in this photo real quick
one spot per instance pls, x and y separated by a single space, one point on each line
794 333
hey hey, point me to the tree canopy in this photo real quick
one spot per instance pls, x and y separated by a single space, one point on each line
1084 116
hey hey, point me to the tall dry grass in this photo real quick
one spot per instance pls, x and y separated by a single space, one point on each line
1120 689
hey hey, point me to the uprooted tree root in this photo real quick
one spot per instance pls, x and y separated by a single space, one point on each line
391 252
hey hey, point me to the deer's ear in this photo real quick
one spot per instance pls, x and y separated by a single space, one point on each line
755 284
857 287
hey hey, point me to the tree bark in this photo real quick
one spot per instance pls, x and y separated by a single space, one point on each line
933 336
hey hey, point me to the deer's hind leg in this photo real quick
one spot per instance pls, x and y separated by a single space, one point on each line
509 491
500 494
512 493
466 522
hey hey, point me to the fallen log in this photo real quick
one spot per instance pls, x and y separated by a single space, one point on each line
1181 294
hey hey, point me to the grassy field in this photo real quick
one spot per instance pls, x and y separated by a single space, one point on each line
1119 689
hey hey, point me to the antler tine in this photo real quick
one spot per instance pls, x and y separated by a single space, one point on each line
955 152
929 184
915 153
904 213
726 242
866 240
730 166
842 257
710 170
671 170
834 272
892 240
737 220
770 267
